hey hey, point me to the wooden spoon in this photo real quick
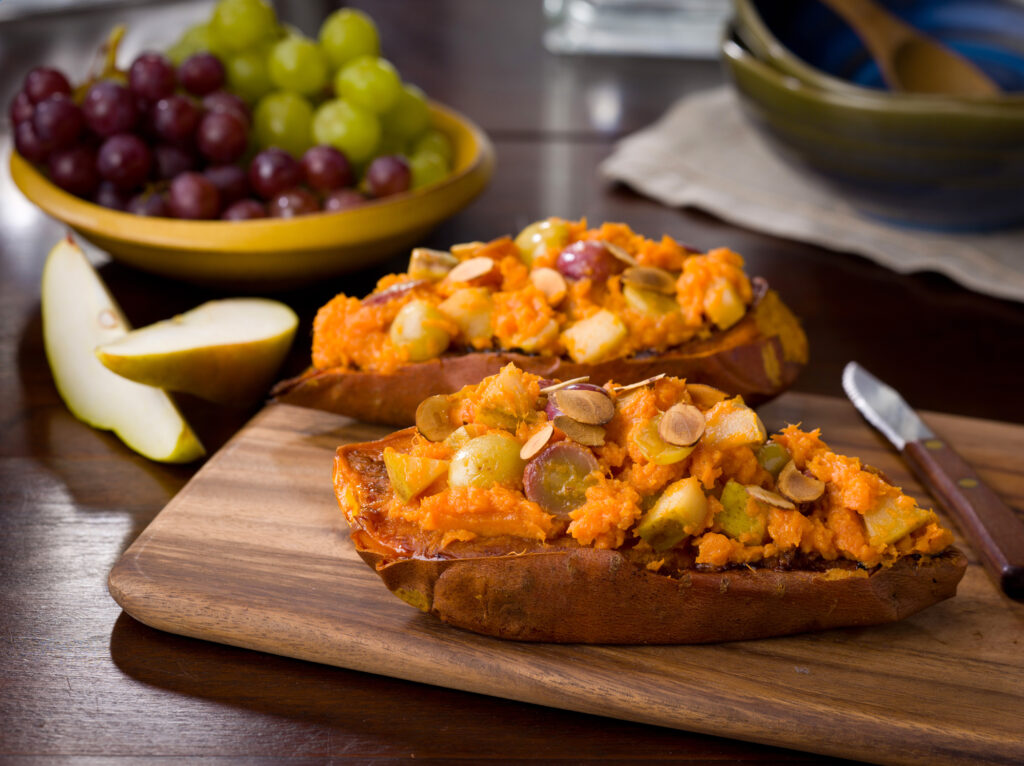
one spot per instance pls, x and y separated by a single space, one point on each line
909 60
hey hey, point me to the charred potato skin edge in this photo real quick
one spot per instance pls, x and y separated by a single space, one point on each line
594 596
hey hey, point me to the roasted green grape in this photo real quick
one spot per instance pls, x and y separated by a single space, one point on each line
487 460
773 457
419 330
734 519
541 236
679 512
656 449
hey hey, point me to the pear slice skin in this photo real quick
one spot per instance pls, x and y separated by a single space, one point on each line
227 351
79 313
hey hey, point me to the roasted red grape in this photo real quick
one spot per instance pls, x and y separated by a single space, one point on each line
245 210
231 182
58 121
223 101
588 259
272 171
291 203
28 143
327 169
170 161
110 196
388 175
222 136
74 170
21 108
343 199
175 119
109 108
201 73
43 82
150 203
124 160
192 195
557 479
151 77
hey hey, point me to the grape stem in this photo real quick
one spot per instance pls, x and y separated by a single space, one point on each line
104 64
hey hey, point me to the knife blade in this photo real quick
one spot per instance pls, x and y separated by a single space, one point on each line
990 525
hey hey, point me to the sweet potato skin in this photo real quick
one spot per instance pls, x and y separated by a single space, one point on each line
574 594
757 358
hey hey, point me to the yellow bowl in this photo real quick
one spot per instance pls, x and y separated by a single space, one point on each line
274 253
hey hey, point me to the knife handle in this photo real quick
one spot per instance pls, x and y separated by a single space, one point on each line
990 525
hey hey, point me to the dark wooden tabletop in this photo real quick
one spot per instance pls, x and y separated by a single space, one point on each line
79 679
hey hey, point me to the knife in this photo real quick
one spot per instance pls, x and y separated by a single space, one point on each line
991 527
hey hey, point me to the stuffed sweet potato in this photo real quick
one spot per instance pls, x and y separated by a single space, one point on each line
561 301
652 513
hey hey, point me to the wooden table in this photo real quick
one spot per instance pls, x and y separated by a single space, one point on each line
80 679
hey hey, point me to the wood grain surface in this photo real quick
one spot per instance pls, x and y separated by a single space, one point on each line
254 552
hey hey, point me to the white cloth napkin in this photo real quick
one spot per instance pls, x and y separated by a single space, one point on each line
703 153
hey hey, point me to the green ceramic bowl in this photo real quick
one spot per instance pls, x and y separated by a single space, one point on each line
930 162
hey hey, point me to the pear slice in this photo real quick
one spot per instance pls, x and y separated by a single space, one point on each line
227 351
79 314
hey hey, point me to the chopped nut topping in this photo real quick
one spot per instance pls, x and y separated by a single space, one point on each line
639 383
425 263
650 278
619 253
465 249
551 283
797 486
682 425
537 442
433 418
769 497
563 384
584 433
586 405
471 269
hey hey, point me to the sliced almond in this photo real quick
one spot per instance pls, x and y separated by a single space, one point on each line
704 396
433 418
797 486
769 497
551 283
563 384
583 433
465 249
639 383
425 263
682 425
471 269
395 291
537 442
585 405
650 278
619 252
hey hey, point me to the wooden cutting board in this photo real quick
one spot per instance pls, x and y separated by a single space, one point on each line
254 552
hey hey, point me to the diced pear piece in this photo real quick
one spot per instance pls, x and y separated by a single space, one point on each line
732 424
595 338
471 308
723 305
891 520
411 475
734 519
80 314
227 351
680 511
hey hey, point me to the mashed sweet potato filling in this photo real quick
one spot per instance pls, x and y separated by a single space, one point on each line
725 495
710 290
